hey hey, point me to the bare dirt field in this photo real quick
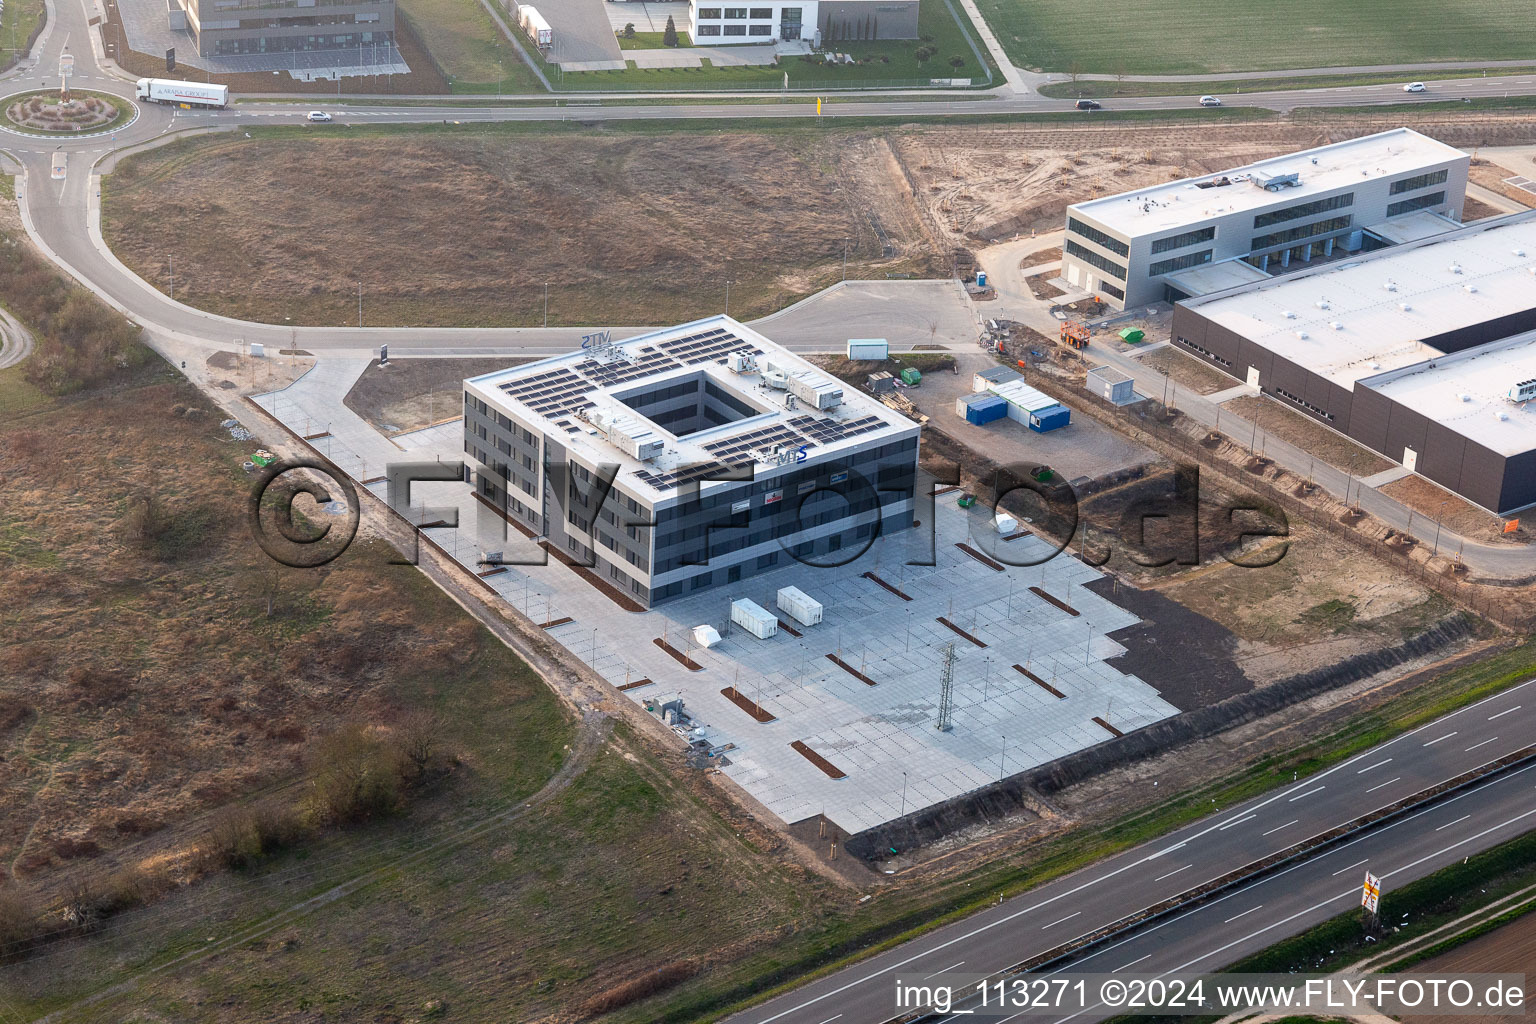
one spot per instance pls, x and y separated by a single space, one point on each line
1453 512
409 394
1305 433
1035 259
1475 209
465 231
628 225
1507 950
1491 176
1188 372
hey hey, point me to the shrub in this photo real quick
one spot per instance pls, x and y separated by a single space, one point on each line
629 30
669 34
357 775
242 836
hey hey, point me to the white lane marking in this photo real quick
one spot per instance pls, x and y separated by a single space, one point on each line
1356 864
1243 914
1445 737
1170 874
1133 963
1237 821
1378 764
1508 711
1309 792
1482 744
951 967
1277 828
829 1020
1069 917
1458 821
1384 785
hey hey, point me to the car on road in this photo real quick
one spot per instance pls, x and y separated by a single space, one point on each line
319 116
1209 101
1415 87
1089 105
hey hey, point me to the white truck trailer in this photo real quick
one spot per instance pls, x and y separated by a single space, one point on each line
191 94
537 28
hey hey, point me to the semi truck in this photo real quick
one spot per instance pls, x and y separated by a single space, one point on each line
191 94
537 28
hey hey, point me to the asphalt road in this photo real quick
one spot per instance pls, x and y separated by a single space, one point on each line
1206 939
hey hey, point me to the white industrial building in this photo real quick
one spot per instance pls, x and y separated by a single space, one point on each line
1216 231
712 23
727 454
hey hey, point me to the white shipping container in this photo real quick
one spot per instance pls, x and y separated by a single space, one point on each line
800 606
754 618
868 348
1005 523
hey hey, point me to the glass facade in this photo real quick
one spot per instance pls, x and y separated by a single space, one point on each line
1417 203
1186 239
1322 227
1193 259
1419 181
1098 237
1087 255
1313 208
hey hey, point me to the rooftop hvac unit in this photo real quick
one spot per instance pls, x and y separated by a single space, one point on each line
740 362
1523 391
1405 307
1390 286
1275 182
1519 252
1289 314
815 390
1337 325
775 378
1302 335
1470 287
1454 268
1322 304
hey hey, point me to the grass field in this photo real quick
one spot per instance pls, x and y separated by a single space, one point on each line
1214 36
17 23
469 46
651 41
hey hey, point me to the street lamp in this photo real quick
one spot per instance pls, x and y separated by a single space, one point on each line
903 813
1439 514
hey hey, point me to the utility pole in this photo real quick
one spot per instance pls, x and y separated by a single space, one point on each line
546 303
172 259
359 304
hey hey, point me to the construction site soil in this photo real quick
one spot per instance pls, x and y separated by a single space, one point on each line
1507 950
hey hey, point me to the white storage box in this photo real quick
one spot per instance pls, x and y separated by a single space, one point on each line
800 606
754 618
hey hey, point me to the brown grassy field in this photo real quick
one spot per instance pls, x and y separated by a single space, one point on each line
449 230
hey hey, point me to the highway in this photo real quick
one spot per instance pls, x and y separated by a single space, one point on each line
1086 901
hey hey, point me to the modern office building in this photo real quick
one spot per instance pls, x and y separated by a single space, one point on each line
815 21
1425 352
1204 234
242 27
689 458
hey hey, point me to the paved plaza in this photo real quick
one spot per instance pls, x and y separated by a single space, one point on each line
882 738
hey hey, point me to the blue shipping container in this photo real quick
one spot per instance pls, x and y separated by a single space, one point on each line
986 410
1049 418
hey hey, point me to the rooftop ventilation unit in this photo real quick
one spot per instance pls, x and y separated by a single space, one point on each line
741 362
629 436
1523 391
1337 325
1464 396
1469 287
1390 286
1289 314
1275 182
1502 415
1302 335
1323 304
1374 365
1454 268
1405 307
815 390
1519 252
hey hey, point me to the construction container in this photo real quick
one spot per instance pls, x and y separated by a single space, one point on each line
881 383
868 348
1050 418
983 409
754 618
1005 523
966 500
1132 335
1022 399
800 606
1112 385
911 377
706 635
987 379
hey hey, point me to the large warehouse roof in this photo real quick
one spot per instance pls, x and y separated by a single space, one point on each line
1350 320
1468 392
1322 170
599 403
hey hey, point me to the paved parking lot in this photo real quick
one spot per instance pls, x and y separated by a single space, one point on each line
582 32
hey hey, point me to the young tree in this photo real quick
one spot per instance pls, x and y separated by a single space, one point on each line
924 54
629 30
1075 70
669 34
957 61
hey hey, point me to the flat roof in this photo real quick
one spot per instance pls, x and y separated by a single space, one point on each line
1216 277
1467 392
1324 169
566 392
1355 319
1413 227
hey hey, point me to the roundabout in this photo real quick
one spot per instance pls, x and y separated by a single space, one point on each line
83 115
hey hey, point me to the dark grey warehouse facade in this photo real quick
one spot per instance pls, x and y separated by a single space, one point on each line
1382 350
